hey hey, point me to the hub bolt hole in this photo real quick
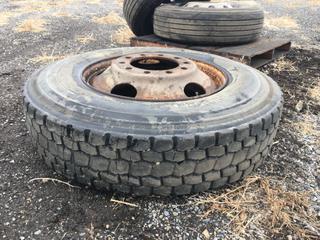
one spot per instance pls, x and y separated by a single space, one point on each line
125 90
194 90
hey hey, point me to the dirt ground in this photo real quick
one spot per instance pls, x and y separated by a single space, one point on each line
34 33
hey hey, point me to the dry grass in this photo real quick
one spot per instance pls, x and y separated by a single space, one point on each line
266 204
90 232
31 25
56 8
111 19
308 127
45 180
303 3
284 22
119 2
93 2
124 203
314 92
33 6
270 1
297 3
44 58
27 6
85 39
5 17
122 35
61 14
314 3
283 64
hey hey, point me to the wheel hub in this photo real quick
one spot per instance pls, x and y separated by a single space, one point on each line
216 5
155 77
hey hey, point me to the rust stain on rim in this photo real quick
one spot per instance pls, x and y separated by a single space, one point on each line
155 77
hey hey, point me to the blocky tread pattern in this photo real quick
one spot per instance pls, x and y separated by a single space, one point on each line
141 167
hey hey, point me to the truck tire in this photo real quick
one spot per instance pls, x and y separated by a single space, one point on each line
209 23
139 15
116 143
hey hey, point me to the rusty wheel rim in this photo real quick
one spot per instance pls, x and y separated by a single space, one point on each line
215 5
221 5
155 77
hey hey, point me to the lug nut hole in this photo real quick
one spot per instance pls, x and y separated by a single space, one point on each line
194 90
125 90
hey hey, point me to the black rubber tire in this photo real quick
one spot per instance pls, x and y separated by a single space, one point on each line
209 26
143 147
139 15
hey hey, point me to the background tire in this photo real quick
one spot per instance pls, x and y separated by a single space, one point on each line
139 15
143 147
198 25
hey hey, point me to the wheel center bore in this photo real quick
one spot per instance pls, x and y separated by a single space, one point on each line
155 77
154 63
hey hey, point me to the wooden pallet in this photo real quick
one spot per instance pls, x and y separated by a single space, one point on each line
256 54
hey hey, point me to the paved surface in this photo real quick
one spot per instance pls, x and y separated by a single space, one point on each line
33 33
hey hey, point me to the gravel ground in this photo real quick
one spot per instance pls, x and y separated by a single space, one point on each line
46 210
297 20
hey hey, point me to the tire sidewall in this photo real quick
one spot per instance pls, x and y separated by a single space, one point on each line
60 93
